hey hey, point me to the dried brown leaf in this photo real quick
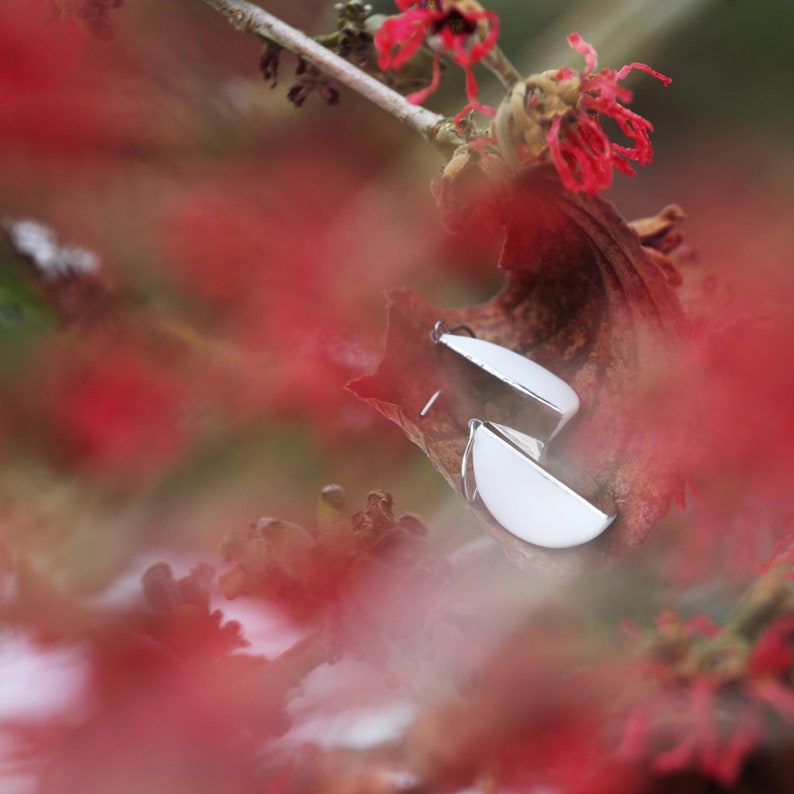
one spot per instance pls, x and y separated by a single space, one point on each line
584 299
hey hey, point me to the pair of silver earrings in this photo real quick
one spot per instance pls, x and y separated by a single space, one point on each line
507 462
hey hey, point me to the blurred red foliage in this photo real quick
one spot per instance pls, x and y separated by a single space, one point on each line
261 243
93 14
738 379
276 294
113 408
170 706
120 413
36 53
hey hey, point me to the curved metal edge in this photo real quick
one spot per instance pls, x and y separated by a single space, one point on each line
441 328
474 425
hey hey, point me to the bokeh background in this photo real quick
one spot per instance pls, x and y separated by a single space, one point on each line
194 381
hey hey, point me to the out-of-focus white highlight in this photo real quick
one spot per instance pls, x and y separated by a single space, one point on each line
38 242
39 682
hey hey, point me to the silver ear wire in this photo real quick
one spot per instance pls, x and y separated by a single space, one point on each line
441 328
464 466
429 404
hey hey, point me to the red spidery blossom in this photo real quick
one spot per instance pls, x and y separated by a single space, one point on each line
582 154
461 29
558 115
709 696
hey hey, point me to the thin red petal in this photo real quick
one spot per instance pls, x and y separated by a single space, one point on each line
622 73
418 97
405 34
578 44
603 87
579 168
555 151
481 49
622 165
582 154
471 93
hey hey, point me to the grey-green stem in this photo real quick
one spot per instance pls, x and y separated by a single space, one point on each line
250 18
500 65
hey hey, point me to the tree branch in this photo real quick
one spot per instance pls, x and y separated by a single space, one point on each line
250 18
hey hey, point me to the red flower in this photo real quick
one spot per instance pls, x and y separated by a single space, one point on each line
582 154
706 697
35 53
118 413
559 114
460 28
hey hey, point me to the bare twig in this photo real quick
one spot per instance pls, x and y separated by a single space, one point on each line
500 65
250 18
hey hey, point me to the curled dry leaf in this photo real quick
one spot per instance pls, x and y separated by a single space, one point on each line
586 300
661 237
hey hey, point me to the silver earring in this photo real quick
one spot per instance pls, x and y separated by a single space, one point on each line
510 479
550 401
550 394
522 495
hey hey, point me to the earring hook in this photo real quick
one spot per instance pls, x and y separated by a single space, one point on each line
474 424
429 404
439 329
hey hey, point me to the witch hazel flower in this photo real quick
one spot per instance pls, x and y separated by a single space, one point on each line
704 697
557 115
461 29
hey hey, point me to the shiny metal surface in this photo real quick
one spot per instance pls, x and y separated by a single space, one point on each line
523 496
519 373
